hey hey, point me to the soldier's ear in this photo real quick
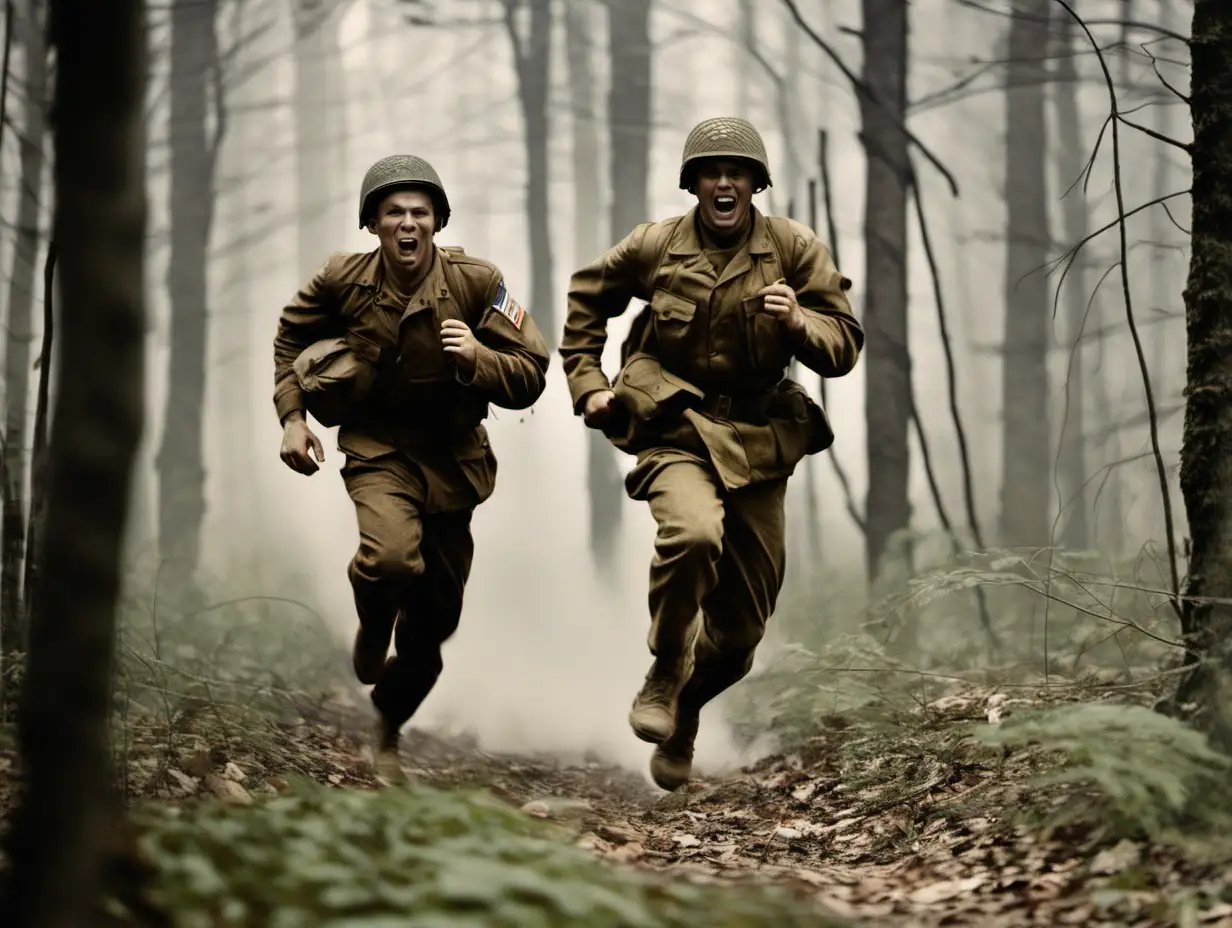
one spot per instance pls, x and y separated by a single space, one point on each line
371 225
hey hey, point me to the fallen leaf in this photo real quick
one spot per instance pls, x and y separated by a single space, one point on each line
933 893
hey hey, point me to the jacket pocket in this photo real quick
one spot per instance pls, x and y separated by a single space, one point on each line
649 392
673 315
800 425
768 347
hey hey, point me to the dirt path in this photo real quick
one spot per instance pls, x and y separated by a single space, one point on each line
905 827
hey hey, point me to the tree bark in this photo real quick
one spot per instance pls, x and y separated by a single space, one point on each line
57 840
181 504
887 360
1206 454
603 479
20 332
1071 160
1026 441
532 59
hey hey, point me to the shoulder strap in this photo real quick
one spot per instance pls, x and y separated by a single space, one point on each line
459 286
640 327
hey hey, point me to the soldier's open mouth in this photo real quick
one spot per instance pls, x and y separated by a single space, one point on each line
724 204
407 246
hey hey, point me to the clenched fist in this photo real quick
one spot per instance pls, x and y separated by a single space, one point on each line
599 409
300 445
779 300
460 342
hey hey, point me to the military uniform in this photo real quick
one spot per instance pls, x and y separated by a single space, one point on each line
353 352
714 424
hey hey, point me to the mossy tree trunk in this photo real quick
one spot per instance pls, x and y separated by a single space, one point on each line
1206 454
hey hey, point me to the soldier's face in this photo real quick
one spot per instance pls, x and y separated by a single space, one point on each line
404 223
724 191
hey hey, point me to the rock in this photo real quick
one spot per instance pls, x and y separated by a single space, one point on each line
556 807
184 784
228 790
233 771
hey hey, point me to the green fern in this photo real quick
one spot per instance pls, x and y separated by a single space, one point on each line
417 858
1156 773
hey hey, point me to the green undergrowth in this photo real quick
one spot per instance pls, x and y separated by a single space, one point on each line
413 858
1137 773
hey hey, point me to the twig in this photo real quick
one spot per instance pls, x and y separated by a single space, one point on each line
1133 328
1158 136
862 89
832 233
950 366
1163 80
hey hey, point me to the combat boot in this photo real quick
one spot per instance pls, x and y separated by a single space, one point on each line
672 761
388 766
370 650
653 716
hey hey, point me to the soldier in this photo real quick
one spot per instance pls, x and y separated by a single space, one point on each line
404 347
702 401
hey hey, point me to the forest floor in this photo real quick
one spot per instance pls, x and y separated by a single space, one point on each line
909 823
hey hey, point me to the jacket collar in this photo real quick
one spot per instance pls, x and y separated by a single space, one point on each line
687 241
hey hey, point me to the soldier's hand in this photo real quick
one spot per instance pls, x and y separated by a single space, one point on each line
300 445
460 342
779 300
599 409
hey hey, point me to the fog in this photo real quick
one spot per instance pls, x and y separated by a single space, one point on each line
549 656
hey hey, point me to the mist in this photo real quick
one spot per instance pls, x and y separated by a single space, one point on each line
550 654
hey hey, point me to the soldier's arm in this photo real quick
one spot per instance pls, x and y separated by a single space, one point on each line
511 360
311 315
832 339
598 292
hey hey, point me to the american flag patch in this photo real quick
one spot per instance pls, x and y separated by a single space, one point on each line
508 307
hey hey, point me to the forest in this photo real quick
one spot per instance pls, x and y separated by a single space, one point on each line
995 686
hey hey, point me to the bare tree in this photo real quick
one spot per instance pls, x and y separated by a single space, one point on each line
532 61
887 361
57 839
603 481
181 469
1070 165
20 333
1206 456
1026 442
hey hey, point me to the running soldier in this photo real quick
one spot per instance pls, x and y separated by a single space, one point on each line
703 402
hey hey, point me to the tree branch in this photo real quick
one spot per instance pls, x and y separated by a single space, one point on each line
1159 136
862 89
1129 315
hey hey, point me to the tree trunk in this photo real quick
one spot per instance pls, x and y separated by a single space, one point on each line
20 334
532 58
887 361
232 436
319 129
629 114
603 481
56 845
1071 160
1026 441
181 504
1206 455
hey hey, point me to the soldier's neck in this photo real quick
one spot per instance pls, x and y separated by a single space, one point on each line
404 282
714 239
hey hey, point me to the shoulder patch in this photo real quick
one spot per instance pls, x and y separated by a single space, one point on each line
507 306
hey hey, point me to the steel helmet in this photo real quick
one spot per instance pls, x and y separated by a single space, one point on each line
402 172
